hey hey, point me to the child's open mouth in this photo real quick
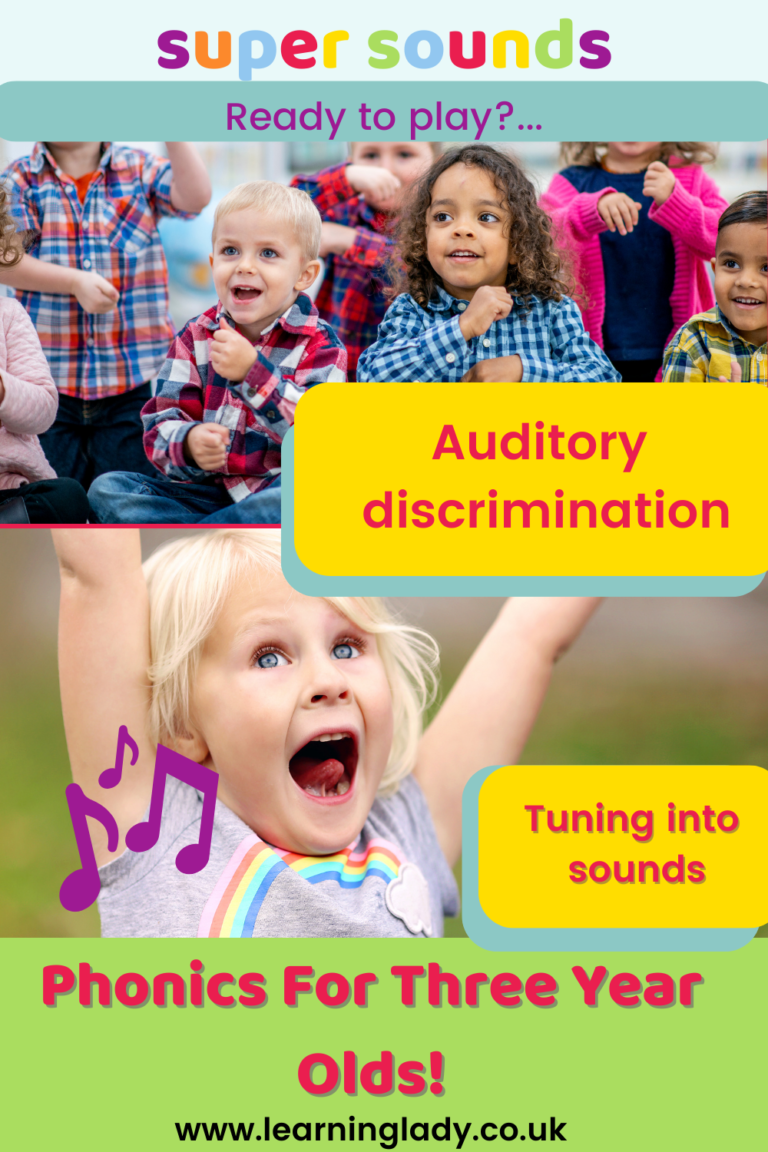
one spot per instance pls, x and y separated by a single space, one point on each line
748 302
325 767
243 294
463 256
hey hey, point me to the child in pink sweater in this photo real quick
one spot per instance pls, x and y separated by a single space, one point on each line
640 222
29 490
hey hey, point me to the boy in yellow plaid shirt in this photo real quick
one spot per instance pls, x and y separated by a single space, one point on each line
728 342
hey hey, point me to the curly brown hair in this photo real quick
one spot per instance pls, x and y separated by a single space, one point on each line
691 152
539 268
11 245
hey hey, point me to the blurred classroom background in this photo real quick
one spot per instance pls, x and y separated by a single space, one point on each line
656 681
740 167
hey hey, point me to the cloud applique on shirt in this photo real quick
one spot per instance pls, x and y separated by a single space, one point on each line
407 898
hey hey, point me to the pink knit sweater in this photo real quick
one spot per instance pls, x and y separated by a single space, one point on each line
30 400
690 215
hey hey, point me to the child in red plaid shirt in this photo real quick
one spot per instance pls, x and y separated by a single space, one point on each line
357 201
229 388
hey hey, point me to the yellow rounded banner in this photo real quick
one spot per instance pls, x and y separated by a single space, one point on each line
532 480
624 847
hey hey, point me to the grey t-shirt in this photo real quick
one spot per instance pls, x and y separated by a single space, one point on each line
394 881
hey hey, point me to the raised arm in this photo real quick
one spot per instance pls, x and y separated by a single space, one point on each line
92 291
191 186
692 218
321 358
336 187
358 245
574 215
103 663
327 188
492 706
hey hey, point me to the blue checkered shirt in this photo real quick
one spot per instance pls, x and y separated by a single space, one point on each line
427 344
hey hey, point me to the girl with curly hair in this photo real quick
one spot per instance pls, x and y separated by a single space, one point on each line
483 295
29 490
639 222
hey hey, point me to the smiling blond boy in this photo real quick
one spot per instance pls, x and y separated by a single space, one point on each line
228 391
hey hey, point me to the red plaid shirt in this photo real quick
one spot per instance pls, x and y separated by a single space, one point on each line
298 351
351 296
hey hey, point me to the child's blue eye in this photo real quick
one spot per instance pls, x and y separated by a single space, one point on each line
488 218
271 660
345 652
269 253
230 250
441 217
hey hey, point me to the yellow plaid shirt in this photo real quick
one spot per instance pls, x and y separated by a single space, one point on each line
703 349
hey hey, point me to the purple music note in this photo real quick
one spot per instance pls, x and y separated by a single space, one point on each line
141 837
111 777
82 886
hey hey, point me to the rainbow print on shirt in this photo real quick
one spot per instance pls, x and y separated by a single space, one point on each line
234 904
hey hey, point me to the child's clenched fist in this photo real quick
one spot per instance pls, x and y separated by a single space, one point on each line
94 293
372 182
232 356
488 304
206 446
659 182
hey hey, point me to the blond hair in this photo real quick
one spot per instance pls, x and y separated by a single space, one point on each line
685 152
189 581
293 205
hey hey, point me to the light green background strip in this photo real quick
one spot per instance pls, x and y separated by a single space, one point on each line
175 109
631 1079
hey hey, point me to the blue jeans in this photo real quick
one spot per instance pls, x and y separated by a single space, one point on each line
91 437
129 498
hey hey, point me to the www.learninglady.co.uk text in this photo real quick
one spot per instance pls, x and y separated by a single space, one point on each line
387 1135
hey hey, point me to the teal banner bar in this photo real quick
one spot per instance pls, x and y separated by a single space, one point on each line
319 109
